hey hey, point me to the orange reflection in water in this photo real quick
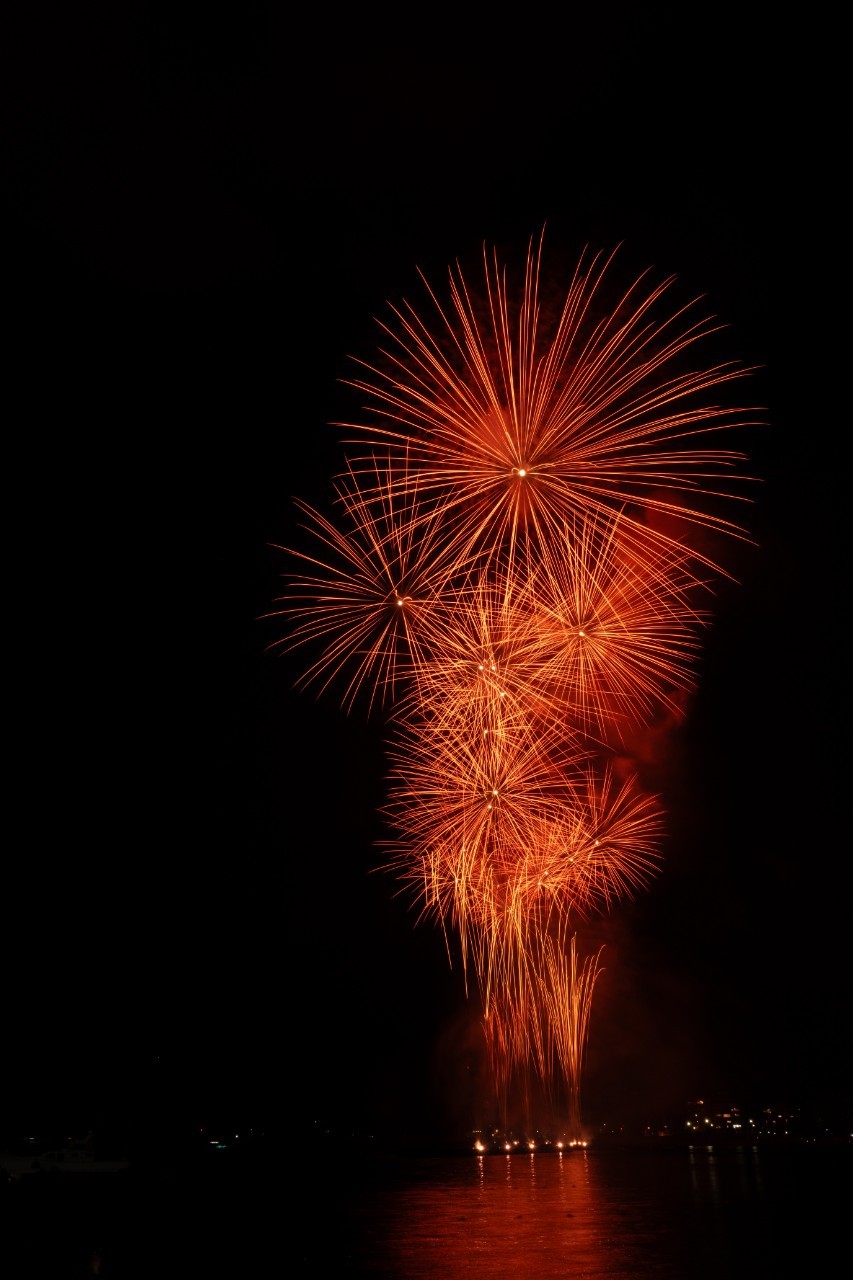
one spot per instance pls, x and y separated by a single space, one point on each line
520 1215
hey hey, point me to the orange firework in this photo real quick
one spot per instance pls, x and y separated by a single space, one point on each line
466 807
515 425
369 593
616 627
543 1018
481 669
511 573
538 841
566 988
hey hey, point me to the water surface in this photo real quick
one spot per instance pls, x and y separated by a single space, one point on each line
625 1214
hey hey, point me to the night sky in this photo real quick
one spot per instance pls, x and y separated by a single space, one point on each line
202 221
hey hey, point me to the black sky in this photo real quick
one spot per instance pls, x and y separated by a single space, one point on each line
202 220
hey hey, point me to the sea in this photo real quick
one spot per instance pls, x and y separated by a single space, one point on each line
633 1213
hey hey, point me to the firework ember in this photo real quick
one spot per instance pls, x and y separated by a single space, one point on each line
511 573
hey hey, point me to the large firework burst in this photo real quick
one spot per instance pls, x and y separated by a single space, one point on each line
510 571
518 422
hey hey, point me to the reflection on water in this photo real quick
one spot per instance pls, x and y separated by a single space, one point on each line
548 1211
626 1214
555 1215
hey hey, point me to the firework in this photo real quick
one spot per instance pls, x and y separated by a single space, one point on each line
618 631
543 1019
510 572
516 426
368 593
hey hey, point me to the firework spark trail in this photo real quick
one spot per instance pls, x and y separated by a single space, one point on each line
511 574
544 1020
567 1000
